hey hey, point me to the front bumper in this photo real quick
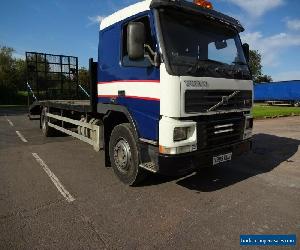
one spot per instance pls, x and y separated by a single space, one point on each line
186 163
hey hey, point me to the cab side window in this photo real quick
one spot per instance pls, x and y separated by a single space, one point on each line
149 40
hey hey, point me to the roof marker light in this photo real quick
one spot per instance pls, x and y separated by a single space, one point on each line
204 4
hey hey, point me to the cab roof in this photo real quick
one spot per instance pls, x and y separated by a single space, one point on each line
176 4
125 13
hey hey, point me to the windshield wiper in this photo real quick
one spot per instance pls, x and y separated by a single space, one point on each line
240 63
195 68
219 68
212 61
240 72
203 66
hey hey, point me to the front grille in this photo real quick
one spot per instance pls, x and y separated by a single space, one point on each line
199 101
213 133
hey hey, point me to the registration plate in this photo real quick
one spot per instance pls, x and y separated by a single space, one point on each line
222 158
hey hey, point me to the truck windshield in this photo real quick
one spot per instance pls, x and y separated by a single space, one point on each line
198 46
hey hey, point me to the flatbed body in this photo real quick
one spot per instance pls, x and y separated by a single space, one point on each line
82 106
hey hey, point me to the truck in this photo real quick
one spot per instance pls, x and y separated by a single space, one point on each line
285 92
171 91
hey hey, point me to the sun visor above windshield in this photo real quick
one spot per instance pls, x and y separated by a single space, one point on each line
195 9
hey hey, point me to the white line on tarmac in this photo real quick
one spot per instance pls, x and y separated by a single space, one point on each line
10 122
54 179
21 137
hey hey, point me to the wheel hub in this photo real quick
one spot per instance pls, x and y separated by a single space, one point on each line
122 155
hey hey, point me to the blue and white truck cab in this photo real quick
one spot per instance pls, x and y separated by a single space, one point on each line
179 72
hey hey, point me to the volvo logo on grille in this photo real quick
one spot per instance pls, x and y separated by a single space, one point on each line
196 84
225 100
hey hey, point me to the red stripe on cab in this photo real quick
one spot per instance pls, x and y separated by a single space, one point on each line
131 97
124 81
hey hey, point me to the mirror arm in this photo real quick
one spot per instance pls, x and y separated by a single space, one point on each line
146 46
150 59
155 61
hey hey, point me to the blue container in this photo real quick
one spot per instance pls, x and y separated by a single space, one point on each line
277 91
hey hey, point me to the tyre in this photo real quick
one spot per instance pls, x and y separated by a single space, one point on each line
124 155
47 131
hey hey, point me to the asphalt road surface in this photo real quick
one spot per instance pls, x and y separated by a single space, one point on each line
55 193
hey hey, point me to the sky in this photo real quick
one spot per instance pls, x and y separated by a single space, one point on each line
71 27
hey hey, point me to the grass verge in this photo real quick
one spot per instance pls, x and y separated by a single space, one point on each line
262 111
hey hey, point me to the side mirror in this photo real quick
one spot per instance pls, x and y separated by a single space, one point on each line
136 38
246 51
221 44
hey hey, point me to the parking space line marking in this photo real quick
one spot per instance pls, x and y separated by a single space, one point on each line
54 179
21 137
10 122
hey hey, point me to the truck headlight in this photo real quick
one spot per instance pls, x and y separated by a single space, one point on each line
180 134
248 128
249 123
178 150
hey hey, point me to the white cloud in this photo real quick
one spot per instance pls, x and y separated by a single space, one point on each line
293 24
286 76
257 8
95 19
272 46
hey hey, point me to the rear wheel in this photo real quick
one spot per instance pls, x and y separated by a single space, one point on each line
124 155
47 131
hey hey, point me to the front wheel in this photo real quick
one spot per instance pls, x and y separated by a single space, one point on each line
124 155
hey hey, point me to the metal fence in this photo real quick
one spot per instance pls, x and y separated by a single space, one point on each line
52 77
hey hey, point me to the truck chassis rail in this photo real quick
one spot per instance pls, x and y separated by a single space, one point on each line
96 131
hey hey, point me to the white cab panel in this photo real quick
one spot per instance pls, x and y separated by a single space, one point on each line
170 94
140 89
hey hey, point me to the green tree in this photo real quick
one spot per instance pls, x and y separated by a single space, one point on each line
256 68
12 77
20 74
255 63
6 66
12 70
84 77
264 78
